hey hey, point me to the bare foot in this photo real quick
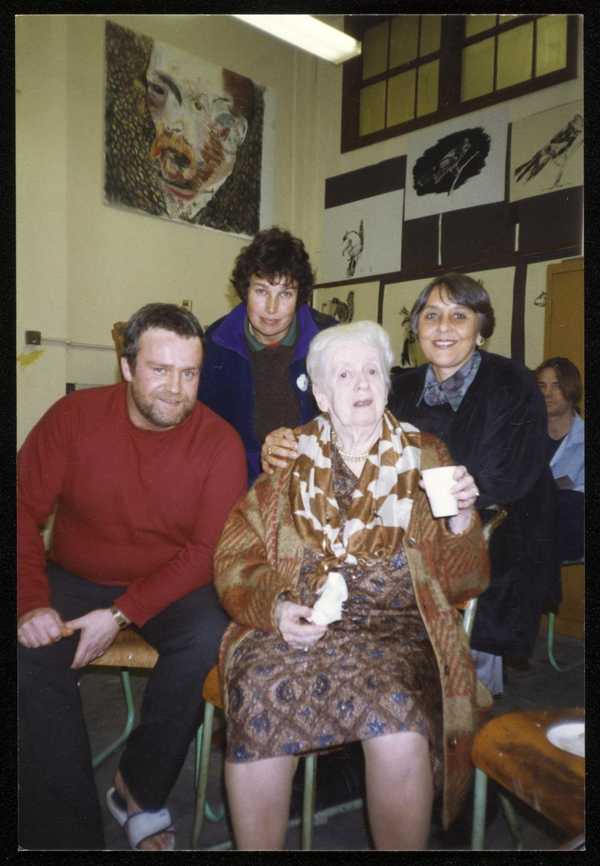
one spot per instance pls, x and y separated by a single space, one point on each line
160 841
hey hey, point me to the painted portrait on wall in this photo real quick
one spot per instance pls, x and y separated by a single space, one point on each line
183 138
461 164
547 151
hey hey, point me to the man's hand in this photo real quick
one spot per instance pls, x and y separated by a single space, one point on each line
278 449
40 627
98 631
291 622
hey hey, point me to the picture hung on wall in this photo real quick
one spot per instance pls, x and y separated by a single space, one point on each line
547 151
362 228
348 303
183 137
457 164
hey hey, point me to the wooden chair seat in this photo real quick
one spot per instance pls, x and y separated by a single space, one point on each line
211 690
128 650
514 751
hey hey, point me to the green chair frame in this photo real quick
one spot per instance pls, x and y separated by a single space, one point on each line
310 769
211 814
550 630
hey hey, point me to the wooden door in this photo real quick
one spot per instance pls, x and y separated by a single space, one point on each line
564 335
564 329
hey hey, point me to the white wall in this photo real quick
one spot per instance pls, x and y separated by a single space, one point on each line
82 265
41 208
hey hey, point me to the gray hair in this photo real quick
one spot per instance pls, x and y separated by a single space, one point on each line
360 332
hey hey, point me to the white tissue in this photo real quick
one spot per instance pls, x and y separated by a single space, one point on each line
328 607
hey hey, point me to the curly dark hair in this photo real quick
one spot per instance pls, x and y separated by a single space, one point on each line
274 254
568 375
169 317
462 290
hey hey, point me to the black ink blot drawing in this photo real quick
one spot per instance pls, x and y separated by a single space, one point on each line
353 243
555 154
343 311
451 162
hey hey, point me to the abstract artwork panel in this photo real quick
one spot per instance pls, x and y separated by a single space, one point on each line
352 303
183 137
398 299
457 164
535 311
547 151
362 237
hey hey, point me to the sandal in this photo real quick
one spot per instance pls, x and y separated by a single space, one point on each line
141 825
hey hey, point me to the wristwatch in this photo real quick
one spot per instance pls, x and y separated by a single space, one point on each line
119 617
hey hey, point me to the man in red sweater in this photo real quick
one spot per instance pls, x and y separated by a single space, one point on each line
142 477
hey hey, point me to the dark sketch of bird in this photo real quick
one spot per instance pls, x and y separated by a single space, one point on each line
343 311
556 152
353 243
409 340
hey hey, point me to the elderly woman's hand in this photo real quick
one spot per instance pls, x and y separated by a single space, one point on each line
466 492
278 449
295 630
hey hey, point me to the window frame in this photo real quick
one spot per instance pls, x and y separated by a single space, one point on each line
452 42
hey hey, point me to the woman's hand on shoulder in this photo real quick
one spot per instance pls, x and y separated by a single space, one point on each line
466 492
291 619
278 449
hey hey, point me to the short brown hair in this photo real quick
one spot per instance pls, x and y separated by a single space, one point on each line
169 317
569 377
273 253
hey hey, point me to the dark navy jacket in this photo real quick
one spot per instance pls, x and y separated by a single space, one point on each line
499 433
227 384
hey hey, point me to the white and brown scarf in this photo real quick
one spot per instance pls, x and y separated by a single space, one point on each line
382 501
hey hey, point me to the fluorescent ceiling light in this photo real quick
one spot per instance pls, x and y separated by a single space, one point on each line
308 33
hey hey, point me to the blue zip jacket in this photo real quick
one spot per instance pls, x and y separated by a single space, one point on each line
226 380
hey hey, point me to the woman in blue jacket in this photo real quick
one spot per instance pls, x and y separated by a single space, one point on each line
254 368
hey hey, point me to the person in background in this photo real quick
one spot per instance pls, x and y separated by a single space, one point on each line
254 371
559 381
387 663
143 477
488 410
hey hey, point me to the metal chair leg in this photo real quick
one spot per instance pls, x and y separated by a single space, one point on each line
203 808
512 820
479 807
129 723
308 800
551 659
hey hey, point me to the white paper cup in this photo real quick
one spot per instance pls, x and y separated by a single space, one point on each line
438 482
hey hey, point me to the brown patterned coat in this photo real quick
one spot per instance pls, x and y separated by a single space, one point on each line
259 557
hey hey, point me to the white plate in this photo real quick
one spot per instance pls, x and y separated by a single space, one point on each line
568 736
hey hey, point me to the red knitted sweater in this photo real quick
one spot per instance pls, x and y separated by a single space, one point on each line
135 508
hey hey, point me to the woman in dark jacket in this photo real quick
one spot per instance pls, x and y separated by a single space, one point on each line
487 410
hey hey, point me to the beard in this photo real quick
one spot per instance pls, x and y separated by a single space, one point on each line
161 414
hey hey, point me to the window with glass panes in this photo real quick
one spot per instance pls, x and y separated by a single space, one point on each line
416 70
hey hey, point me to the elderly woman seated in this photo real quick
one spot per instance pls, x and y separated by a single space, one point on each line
392 666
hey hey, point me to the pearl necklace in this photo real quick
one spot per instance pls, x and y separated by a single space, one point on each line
353 458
